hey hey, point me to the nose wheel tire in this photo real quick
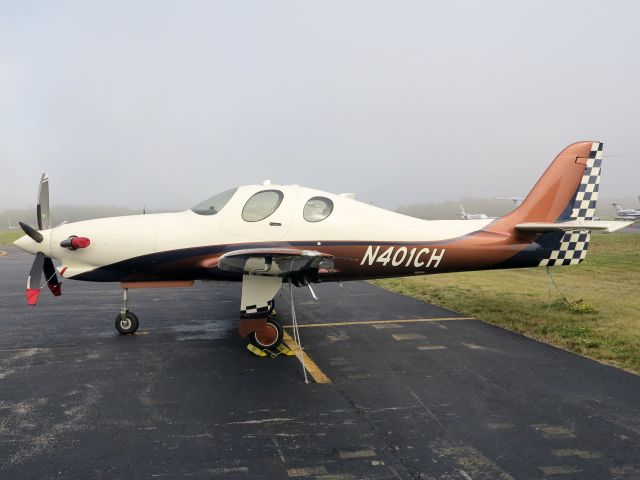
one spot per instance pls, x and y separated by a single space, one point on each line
127 325
270 337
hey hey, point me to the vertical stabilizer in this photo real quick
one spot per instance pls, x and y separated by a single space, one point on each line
568 190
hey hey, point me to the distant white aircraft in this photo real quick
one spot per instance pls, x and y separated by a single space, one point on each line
471 216
627 214
516 200
12 227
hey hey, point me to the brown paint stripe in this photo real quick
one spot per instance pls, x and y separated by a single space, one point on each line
378 322
313 369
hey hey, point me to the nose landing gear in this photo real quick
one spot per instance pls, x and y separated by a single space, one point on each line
126 321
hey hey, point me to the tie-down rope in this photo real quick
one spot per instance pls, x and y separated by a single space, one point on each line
552 283
296 333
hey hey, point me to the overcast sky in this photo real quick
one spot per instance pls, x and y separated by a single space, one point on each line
166 103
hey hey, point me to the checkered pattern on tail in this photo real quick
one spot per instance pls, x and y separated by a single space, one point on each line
574 244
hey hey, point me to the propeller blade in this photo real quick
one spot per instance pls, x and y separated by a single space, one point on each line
54 284
35 235
42 208
34 279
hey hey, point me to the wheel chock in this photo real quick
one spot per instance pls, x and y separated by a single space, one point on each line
282 348
256 351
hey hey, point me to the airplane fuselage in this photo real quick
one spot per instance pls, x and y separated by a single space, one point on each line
243 231
186 245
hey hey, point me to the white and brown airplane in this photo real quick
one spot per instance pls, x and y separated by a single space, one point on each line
264 235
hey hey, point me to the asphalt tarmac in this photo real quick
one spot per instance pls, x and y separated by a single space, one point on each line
432 398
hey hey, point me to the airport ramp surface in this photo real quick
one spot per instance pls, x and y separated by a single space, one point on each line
413 391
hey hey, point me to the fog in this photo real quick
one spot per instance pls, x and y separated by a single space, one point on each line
165 103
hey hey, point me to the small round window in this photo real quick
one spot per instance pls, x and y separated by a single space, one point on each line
317 209
261 205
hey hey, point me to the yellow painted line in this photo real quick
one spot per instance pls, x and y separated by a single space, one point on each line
378 322
317 374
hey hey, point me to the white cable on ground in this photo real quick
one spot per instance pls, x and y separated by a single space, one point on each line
549 280
296 333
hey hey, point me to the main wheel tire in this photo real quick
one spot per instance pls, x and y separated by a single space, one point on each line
271 338
128 325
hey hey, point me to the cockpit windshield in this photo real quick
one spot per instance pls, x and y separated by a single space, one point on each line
213 205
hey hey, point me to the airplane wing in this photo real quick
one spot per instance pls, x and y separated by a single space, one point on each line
280 262
542 227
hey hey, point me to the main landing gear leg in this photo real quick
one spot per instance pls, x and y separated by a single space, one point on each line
126 321
258 317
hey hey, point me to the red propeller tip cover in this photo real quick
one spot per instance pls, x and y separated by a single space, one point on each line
80 242
32 295
56 289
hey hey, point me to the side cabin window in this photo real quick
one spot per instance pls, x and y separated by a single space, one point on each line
261 205
317 209
213 205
